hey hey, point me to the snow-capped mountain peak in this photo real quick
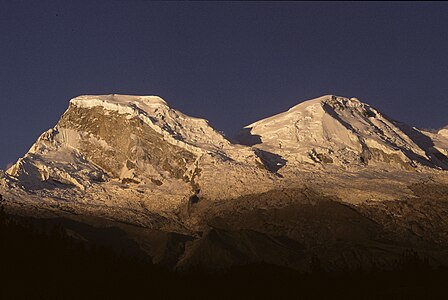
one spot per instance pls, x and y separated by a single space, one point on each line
339 131
117 136
156 113
102 140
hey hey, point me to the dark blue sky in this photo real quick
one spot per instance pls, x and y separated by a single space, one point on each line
231 63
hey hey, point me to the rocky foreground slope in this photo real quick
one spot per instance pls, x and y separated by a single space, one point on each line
332 177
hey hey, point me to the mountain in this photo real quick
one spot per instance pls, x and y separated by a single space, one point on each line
331 177
119 151
131 138
343 132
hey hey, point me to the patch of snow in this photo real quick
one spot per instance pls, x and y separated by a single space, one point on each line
444 132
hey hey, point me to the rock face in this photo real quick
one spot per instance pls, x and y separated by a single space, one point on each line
331 177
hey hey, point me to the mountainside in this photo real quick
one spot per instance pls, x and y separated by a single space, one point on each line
331 177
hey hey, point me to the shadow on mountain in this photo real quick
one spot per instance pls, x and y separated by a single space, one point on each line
220 249
50 184
273 162
436 158
245 137
53 265
301 223
111 237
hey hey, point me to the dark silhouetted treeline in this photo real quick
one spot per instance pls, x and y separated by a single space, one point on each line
47 264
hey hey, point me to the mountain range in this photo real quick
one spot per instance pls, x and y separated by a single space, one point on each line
332 178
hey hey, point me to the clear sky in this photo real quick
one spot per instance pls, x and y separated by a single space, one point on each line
229 62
